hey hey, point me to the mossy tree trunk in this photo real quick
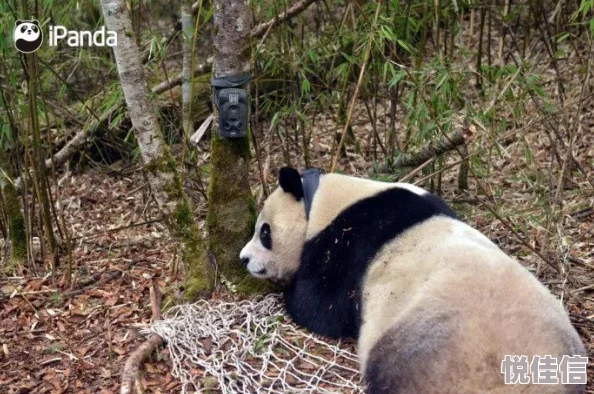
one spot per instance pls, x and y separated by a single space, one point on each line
159 164
231 208
14 216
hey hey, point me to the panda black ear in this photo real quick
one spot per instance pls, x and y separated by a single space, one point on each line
18 22
35 22
290 180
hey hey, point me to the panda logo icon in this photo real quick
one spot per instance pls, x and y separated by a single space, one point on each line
27 36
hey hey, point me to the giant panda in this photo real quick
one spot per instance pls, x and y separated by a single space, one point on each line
436 305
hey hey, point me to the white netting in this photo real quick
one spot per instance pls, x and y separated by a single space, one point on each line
249 347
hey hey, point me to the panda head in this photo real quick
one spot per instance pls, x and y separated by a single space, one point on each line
274 252
27 35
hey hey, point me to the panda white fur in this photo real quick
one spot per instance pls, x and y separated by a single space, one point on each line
27 35
435 304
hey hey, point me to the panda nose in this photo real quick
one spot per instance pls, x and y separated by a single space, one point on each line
245 260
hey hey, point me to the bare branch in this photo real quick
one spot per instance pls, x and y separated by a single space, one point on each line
135 360
297 8
434 149
459 137
82 137
177 80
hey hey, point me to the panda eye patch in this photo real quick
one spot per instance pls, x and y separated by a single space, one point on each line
265 237
34 28
23 29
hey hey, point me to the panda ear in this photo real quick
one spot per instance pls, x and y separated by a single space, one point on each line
18 22
35 22
290 180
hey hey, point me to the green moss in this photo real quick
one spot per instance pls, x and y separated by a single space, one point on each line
231 210
183 216
196 286
251 285
181 224
165 162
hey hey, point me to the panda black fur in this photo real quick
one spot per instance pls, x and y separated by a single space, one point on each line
435 304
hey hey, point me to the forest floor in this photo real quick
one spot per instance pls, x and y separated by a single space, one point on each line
59 338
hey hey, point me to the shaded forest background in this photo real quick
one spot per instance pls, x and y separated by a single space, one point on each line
489 104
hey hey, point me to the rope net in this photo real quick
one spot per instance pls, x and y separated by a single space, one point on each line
250 347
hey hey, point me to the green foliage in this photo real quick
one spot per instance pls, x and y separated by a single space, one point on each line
316 68
421 61
585 13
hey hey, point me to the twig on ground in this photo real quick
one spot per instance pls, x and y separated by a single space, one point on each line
120 228
95 280
155 300
136 359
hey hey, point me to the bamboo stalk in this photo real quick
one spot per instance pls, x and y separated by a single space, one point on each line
355 95
502 37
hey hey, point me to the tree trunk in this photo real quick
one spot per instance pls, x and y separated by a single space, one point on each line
15 220
159 164
40 183
187 75
231 208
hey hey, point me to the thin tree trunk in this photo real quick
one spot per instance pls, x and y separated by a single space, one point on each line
231 208
40 184
15 221
159 164
9 198
188 37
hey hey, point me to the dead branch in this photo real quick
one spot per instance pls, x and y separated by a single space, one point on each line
155 295
445 144
434 149
76 143
177 80
96 280
256 32
82 137
197 136
297 8
136 359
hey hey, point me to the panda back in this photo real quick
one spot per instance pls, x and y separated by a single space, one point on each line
325 295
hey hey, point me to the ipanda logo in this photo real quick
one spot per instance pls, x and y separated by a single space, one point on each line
28 36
